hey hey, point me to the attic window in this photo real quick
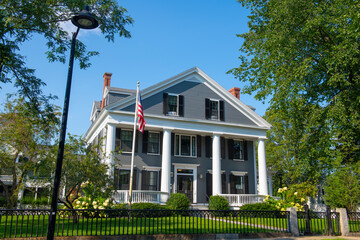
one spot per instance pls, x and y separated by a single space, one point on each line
173 104
214 109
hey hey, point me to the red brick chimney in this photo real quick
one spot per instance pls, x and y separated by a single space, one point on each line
107 80
235 91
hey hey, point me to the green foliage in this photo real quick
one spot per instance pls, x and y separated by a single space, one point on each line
218 203
258 207
84 174
149 206
342 188
20 20
289 198
3 202
25 146
303 57
41 201
178 201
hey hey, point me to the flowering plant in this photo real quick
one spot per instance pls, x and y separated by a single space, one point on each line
287 199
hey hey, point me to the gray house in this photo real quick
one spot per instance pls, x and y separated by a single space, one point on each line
199 140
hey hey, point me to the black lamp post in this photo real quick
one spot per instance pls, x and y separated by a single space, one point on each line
83 20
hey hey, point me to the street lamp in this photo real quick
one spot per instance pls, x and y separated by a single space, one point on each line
84 20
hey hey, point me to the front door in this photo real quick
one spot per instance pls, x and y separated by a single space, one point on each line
185 185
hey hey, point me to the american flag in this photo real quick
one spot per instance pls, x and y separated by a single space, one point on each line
141 115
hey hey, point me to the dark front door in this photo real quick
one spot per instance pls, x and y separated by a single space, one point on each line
185 185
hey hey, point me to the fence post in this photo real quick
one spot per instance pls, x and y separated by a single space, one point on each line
307 218
293 222
344 222
329 222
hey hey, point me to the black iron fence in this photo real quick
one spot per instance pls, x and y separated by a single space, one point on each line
322 223
354 222
33 223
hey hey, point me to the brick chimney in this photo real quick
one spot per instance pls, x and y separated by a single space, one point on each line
235 91
107 80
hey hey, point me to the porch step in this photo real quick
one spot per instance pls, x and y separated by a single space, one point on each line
199 206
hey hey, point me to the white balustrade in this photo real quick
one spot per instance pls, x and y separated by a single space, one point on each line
241 199
122 196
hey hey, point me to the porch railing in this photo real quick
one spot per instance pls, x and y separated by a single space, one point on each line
237 200
122 196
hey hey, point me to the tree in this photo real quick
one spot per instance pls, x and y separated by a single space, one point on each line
25 140
342 188
305 56
83 165
20 20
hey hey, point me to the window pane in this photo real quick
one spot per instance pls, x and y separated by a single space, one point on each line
185 145
172 104
153 143
238 150
152 180
124 179
214 109
126 141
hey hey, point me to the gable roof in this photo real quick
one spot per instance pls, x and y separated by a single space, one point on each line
194 74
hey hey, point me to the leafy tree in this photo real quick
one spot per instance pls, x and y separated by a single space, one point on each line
83 169
25 140
305 56
21 20
342 188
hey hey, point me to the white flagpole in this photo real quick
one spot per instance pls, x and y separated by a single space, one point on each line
133 146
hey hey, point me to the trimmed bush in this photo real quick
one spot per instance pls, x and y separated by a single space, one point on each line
149 206
218 203
178 201
258 207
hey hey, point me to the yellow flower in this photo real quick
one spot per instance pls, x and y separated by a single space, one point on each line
297 205
280 190
285 188
101 207
302 199
292 203
282 209
295 193
265 200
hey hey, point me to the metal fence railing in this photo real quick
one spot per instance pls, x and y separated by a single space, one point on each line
322 223
33 223
354 222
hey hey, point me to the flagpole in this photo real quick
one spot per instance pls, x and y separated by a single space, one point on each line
133 147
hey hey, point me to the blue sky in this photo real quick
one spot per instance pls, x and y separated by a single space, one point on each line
168 37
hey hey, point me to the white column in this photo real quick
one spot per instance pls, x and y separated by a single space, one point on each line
216 165
166 161
255 169
263 188
110 146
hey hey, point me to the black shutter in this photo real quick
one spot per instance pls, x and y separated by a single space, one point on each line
161 140
116 179
143 180
231 148
181 105
222 147
172 143
207 108
246 182
208 185
134 179
198 145
232 184
117 139
223 183
158 186
136 141
145 141
245 150
222 110
208 147
165 103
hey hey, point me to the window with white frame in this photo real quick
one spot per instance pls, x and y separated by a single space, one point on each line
153 143
173 104
214 109
151 180
185 145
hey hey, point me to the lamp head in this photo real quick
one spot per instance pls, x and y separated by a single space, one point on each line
85 19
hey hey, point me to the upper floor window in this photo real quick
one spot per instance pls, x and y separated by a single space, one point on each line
238 150
173 104
153 143
185 145
123 140
214 109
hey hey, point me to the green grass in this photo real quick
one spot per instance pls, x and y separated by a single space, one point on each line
66 226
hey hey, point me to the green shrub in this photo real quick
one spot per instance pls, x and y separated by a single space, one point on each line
218 203
258 207
149 206
121 206
35 202
3 202
178 201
